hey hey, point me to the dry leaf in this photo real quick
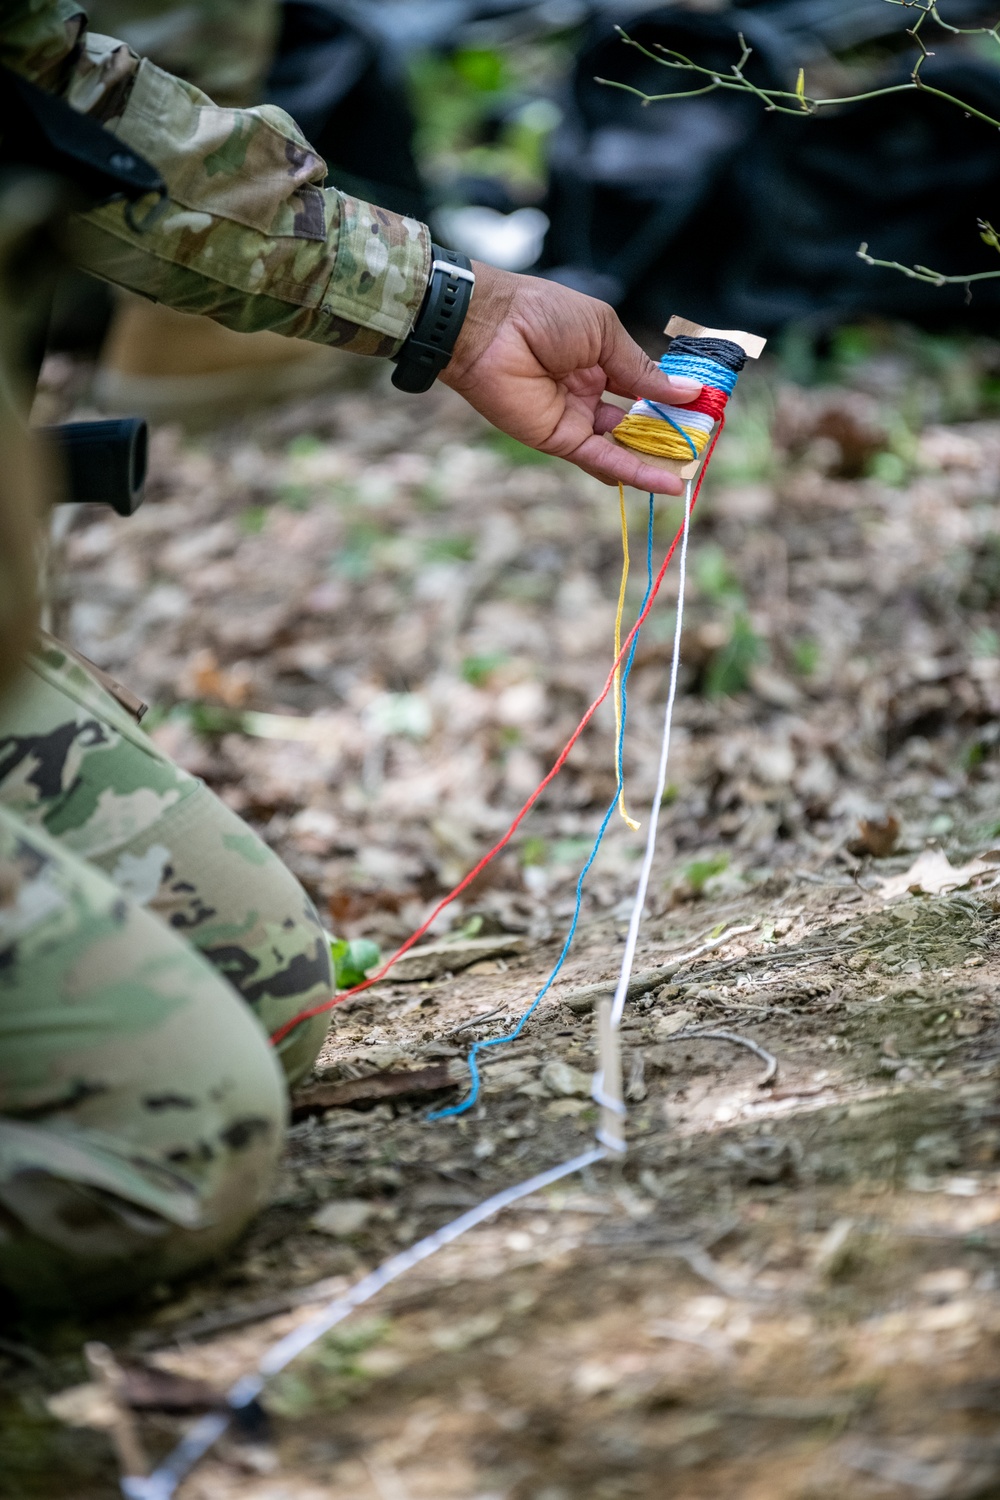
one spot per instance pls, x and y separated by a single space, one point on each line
87 1405
877 839
933 874
672 1022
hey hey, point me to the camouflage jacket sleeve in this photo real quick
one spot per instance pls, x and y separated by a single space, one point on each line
250 238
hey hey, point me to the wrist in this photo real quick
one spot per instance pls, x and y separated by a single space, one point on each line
492 299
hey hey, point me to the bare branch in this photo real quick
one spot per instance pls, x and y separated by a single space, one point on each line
924 273
797 101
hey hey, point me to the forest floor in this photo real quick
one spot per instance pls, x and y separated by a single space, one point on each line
370 623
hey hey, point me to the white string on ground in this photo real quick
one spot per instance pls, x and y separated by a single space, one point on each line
163 1483
628 957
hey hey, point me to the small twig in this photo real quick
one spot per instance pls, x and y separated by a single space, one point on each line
770 1071
475 1020
132 1459
797 101
758 1010
777 957
924 273
649 979
712 943
702 1264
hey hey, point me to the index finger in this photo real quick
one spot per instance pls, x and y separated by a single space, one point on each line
614 465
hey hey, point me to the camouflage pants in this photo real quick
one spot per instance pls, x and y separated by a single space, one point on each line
148 942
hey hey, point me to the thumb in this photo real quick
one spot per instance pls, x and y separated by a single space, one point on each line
629 371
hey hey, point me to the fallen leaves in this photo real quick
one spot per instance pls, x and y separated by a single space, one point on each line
933 874
877 838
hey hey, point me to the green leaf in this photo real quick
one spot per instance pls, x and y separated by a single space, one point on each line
477 670
352 960
729 670
702 870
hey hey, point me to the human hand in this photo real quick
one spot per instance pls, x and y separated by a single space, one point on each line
536 358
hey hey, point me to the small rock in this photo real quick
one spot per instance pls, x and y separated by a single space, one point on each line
670 1024
561 1109
533 1090
560 1078
383 1057
342 1217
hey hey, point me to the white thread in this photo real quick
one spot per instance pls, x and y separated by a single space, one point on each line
605 1100
293 1343
628 958
162 1484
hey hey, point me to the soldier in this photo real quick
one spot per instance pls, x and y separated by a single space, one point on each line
155 360
149 942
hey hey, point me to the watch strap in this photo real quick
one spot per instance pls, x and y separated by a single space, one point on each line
428 349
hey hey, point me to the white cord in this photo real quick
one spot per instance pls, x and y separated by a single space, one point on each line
162 1484
628 957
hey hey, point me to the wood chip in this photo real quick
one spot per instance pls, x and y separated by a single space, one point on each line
145 1388
434 959
358 1093
586 997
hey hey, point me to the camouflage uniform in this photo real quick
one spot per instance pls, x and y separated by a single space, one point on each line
251 238
224 47
148 940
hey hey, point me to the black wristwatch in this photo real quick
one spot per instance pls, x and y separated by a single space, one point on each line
431 344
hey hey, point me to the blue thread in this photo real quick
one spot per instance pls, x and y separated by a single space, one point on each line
704 370
675 425
498 1041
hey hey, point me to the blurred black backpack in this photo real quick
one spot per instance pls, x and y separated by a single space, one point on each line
344 87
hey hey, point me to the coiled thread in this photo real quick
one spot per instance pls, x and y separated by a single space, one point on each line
683 432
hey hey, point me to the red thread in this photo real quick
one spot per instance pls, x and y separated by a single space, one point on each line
317 1010
711 401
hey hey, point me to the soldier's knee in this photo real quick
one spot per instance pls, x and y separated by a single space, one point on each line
169 842
142 1110
231 896
91 1216
86 1222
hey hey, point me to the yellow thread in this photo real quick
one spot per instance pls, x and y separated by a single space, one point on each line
650 435
618 646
